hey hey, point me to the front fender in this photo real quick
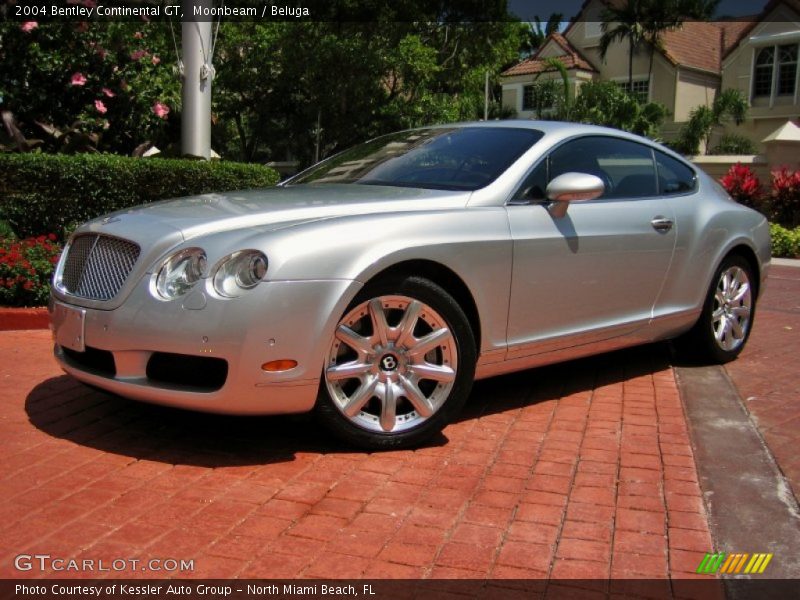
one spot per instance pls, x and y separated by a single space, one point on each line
473 243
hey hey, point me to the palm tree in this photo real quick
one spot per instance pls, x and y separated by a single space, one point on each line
644 21
538 32
624 21
668 15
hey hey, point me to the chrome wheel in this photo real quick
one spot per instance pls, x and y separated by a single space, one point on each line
392 364
732 308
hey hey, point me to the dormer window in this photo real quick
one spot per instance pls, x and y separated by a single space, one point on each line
787 69
762 78
775 71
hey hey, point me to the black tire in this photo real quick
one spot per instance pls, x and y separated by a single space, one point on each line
362 429
700 343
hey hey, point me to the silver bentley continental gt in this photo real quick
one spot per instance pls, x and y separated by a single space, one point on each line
375 286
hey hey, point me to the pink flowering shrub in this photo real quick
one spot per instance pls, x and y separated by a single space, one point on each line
88 85
160 110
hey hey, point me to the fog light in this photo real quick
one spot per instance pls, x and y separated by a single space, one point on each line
275 366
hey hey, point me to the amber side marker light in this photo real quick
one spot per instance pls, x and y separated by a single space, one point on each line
275 366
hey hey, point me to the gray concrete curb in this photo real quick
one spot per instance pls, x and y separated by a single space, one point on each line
786 262
750 505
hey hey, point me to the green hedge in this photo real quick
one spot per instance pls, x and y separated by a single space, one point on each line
785 242
52 193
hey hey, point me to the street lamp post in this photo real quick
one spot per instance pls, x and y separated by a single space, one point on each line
197 75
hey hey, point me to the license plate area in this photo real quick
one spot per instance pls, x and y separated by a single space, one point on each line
69 326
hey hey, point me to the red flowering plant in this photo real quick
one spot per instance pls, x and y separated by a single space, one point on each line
784 201
26 268
743 185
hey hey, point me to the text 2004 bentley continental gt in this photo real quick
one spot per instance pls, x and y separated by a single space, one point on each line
375 286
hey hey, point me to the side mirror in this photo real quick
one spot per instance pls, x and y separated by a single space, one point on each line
572 187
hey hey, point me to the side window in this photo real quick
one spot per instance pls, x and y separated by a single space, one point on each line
626 167
535 184
674 177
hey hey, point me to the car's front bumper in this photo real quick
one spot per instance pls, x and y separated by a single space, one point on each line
279 320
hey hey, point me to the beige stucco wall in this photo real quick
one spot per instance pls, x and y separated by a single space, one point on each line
717 166
693 88
615 65
662 86
757 129
510 98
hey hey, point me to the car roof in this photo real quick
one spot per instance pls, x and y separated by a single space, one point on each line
564 129
546 127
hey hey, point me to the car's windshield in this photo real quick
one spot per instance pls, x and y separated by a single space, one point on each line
464 158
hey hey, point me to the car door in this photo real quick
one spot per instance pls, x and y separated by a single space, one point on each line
596 272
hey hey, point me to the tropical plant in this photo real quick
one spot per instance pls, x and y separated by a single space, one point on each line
729 105
543 97
605 103
622 22
783 204
551 98
666 15
733 143
644 21
537 32
743 185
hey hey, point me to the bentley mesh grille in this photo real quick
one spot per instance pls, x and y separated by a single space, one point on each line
97 266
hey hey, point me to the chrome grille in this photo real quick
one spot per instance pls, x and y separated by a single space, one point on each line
97 266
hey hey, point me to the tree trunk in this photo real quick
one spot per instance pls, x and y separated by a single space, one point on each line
630 65
242 135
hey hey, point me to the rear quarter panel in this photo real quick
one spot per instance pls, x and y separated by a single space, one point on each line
710 225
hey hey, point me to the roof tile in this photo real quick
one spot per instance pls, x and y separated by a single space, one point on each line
572 59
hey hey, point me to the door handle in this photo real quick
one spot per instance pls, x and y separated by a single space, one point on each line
661 224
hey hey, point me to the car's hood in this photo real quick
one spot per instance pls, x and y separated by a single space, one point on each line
272 208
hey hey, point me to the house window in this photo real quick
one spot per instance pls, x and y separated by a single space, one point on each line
787 69
540 97
529 97
766 69
640 88
762 76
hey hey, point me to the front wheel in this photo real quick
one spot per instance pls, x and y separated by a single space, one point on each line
400 365
727 318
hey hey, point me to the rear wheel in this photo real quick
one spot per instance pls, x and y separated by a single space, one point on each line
400 366
724 326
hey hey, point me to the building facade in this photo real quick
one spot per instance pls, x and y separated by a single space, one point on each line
757 55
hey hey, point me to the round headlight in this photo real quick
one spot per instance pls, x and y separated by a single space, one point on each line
239 271
180 272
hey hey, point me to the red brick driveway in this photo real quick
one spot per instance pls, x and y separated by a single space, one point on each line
767 373
582 470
